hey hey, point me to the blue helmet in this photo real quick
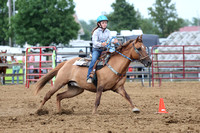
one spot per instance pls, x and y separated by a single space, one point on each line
102 18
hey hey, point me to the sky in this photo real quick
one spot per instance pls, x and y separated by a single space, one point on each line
90 9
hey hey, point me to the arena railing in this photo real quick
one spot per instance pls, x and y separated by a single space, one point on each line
175 62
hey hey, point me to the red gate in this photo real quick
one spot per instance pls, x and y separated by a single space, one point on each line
175 62
35 68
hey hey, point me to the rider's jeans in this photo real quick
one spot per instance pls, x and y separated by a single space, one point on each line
15 71
95 55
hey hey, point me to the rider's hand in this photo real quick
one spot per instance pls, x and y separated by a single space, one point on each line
103 43
115 41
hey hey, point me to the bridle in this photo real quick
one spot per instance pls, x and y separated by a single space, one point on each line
137 50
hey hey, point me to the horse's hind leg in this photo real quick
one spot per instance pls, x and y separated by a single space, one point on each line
48 95
123 93
71 92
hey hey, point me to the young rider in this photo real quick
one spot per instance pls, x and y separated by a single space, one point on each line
100 35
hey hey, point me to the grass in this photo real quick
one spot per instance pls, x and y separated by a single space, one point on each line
8 79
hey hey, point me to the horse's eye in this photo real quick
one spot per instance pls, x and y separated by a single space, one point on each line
139 49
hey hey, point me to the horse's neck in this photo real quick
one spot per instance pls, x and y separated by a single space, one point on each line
119 63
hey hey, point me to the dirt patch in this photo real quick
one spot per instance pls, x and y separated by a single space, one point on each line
18 110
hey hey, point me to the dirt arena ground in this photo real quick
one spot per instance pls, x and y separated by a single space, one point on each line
182 101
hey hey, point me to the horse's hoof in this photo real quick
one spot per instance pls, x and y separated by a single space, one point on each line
94 113
136 110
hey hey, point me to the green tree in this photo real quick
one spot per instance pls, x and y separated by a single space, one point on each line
124 16
176 25
44 22
164 14
148 27
195 21
3 22
185 22
88 29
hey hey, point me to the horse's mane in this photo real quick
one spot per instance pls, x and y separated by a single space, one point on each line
124 45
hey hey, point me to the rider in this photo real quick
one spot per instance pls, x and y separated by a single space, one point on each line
100 35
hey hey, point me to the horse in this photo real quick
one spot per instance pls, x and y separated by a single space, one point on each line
3 59
110 77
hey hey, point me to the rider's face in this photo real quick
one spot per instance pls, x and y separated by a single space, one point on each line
103 24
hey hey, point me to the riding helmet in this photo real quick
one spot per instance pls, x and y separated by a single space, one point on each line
102 18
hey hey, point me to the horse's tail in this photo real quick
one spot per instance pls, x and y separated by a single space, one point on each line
44 79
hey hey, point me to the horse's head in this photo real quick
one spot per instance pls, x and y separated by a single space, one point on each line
140 52
3 59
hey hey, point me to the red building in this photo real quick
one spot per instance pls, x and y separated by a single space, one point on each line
190 28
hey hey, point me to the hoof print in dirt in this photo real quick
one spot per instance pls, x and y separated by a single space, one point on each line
13 118
66 112
42 112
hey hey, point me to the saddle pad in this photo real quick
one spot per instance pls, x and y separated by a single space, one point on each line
85 62
82 62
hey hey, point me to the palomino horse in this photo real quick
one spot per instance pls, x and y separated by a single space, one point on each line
111 77
3 59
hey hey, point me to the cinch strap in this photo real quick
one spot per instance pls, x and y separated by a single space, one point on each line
112 69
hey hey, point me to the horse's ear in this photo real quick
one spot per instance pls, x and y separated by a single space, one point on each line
136 40
141 36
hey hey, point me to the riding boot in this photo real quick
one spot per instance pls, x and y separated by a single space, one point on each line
94 69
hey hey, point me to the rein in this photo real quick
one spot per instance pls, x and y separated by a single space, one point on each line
109 46
110 67
136 50
125 56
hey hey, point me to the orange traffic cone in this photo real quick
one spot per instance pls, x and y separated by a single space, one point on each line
162 107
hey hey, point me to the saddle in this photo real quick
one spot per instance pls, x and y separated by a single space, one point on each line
100 63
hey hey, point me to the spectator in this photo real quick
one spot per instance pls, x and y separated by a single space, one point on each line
59 59
15 68
31 67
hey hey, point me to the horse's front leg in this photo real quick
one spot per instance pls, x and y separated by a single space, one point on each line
98 98
123 93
